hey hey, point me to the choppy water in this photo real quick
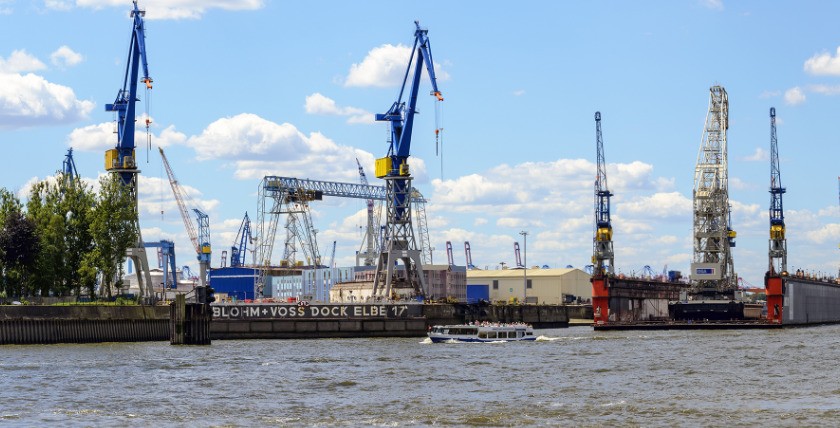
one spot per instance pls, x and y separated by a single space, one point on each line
569 377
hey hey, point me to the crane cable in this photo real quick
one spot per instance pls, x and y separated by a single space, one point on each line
439 134
148 121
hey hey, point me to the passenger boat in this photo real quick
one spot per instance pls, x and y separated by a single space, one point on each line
483 332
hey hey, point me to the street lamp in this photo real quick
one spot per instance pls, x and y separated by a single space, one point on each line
525 267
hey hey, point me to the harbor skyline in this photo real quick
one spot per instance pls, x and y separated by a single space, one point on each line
244 89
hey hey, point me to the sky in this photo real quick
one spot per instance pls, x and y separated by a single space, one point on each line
248 88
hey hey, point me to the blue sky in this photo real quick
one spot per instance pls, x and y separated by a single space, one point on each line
245 88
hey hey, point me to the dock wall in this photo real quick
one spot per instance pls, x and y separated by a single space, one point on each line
810 302
82 324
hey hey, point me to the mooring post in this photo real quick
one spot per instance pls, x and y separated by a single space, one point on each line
189 323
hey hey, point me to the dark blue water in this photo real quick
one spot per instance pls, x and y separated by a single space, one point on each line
569 377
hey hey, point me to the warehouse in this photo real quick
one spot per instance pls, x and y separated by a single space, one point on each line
545 286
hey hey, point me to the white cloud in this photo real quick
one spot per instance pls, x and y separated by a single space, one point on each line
712 4
824 64
660 205
64 57
20 62
259 147
101 137
825 89
794 96
319 104
519 92
30 100
384 66
165 9
760 155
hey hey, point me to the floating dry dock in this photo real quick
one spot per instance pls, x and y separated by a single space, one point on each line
634 304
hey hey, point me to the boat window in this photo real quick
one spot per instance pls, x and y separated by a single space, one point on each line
482 335
519 333
529 333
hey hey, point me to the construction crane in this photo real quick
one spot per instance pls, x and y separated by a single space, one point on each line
200 239
518 255
277 195
68 168
399 243
369 248
603 256
712 269
468 254
243 237
204 251
778 243
121 160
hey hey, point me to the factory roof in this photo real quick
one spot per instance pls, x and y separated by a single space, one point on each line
514 273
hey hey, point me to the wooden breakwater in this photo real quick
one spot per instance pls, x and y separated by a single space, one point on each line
82 324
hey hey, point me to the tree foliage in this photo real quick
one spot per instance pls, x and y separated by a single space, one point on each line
67 240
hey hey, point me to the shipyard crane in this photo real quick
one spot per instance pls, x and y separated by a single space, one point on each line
468 254
449 256
369 244
778 243
243 237
204 251
399 243
517 255
712 270
603 256
121 160
68 168
198 241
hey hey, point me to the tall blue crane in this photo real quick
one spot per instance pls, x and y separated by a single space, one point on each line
121 160
778 243
68 167
603 256
399 243
243 237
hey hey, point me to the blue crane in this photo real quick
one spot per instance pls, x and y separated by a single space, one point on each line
399 243
238 253
602 248
122 159
68 167
778 243
204 252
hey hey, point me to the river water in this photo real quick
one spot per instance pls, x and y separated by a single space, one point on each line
569 377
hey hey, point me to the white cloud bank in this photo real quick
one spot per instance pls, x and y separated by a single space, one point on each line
319 104
163 9
65 57
824 64
30 100
384 67
20 61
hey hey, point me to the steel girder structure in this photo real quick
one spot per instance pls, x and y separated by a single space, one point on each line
275 192
712 269
778 244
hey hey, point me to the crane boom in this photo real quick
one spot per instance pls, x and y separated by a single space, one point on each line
602 250
778 243
179 198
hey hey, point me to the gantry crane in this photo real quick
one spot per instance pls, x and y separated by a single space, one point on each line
121 160
603 256
369 248
399 243
712 270
778 243
468 254
238 251
201 244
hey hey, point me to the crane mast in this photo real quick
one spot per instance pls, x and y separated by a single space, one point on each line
369 243
399 243
204 251
712 269
603 255
778 243
243 237
121 160
179 199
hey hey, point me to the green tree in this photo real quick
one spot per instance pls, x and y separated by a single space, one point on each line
43 210
20 245
8 203
113 227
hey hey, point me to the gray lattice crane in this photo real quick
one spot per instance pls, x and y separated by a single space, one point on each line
712 269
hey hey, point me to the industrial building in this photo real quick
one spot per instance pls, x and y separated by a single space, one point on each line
444 282
544 286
